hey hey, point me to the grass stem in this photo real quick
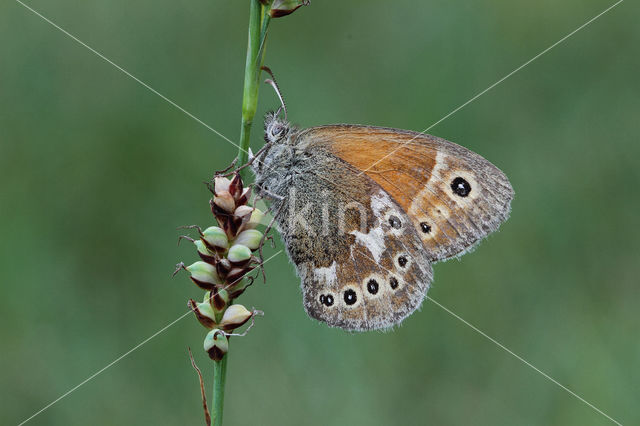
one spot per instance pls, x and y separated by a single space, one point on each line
258 25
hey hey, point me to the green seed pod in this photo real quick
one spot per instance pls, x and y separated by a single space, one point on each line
216 344
204 252
204 275
204 313
250 238
257 216
239 253
234 317
243 211
216 237
202 249
235 275
223 267
218 301
240 285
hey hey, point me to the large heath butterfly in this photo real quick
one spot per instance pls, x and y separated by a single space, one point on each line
364 212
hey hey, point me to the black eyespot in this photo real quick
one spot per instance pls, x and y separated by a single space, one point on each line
426 228
402 261
393 282
395 222
307 154
460 187
372 286
328 300
350 297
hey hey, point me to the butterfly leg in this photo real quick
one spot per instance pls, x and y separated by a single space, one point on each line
266 237
229 167
264 194
254 157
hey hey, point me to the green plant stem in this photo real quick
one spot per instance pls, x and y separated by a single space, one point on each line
219 378
258 25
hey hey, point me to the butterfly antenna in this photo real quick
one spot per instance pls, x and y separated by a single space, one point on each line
272 82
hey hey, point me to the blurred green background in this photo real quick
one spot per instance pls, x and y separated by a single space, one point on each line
96 173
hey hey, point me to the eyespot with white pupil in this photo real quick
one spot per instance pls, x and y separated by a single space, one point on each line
372 286
460 187
350 297
326 300
402 261
395 222
426 228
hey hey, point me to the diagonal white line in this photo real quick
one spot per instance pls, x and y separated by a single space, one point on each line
91 377
504 348
497 82
105 367
142 83
519 358
128 74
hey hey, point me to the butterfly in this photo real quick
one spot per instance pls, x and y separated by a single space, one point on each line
365 211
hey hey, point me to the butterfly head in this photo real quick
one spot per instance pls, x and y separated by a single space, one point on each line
276 129
272 165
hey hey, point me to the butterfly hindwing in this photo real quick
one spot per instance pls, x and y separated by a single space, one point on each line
361 262
382 280
453 196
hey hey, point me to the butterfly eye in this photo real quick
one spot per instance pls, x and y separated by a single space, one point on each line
460 187
277 131
393 282
350 297
372 286
426 228
395 222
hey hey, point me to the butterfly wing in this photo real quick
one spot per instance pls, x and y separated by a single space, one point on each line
453 196
361 262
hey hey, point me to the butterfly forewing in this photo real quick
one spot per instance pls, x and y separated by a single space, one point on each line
453 196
